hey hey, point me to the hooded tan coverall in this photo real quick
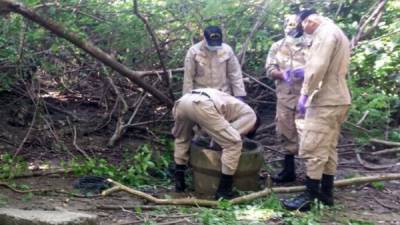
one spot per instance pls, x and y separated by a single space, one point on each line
213 69
329 99
282 55
223 117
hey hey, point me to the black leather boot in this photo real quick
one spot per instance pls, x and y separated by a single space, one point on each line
304 201
327 189
225 187
179 175
288 174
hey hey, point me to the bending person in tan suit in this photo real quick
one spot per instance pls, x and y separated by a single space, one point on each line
325 100
224 118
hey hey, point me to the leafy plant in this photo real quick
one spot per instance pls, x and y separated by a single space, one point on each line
3 200
10 167
27 197
302 219
217 217
136 169
378 185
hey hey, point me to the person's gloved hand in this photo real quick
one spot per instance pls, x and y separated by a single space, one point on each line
241 98
301 104
287 74
298 73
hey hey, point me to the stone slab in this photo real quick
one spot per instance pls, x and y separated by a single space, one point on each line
10 216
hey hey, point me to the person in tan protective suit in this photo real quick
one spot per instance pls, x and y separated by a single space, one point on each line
224 118
325 100
213 64
285 64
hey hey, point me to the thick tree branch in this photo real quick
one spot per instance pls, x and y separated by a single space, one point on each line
376 12
87 46
257 24
156 45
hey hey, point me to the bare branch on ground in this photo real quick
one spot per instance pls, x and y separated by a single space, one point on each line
211 203
383 142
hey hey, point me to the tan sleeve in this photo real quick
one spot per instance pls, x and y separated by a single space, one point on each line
318 63
189 72
235 76
271 62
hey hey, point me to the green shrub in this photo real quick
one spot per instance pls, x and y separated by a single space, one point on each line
137 168
10 167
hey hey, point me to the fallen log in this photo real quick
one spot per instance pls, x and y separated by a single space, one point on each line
263 193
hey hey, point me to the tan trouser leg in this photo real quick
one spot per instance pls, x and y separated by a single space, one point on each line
286 129
244 122
205 114
231 143
331 165
183 141
183 133
319 139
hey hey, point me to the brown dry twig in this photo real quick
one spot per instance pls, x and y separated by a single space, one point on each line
44 190
38 173
259 82
386 151
372 166
383 142
35 99
118 207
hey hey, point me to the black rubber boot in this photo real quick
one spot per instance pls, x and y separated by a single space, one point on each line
327 189
304 201
288 174
179 173
225 187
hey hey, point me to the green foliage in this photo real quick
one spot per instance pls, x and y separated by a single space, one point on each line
10 167
136 169
375 78
378 185
258 212
27 197
307 219
217 217
3 200
272 202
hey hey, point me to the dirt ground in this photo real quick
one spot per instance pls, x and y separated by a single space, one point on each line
359 203
377 204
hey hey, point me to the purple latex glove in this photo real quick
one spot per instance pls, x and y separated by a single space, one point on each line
241 98
298 73
287 75
301 104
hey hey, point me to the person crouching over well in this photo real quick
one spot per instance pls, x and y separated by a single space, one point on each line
225 119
